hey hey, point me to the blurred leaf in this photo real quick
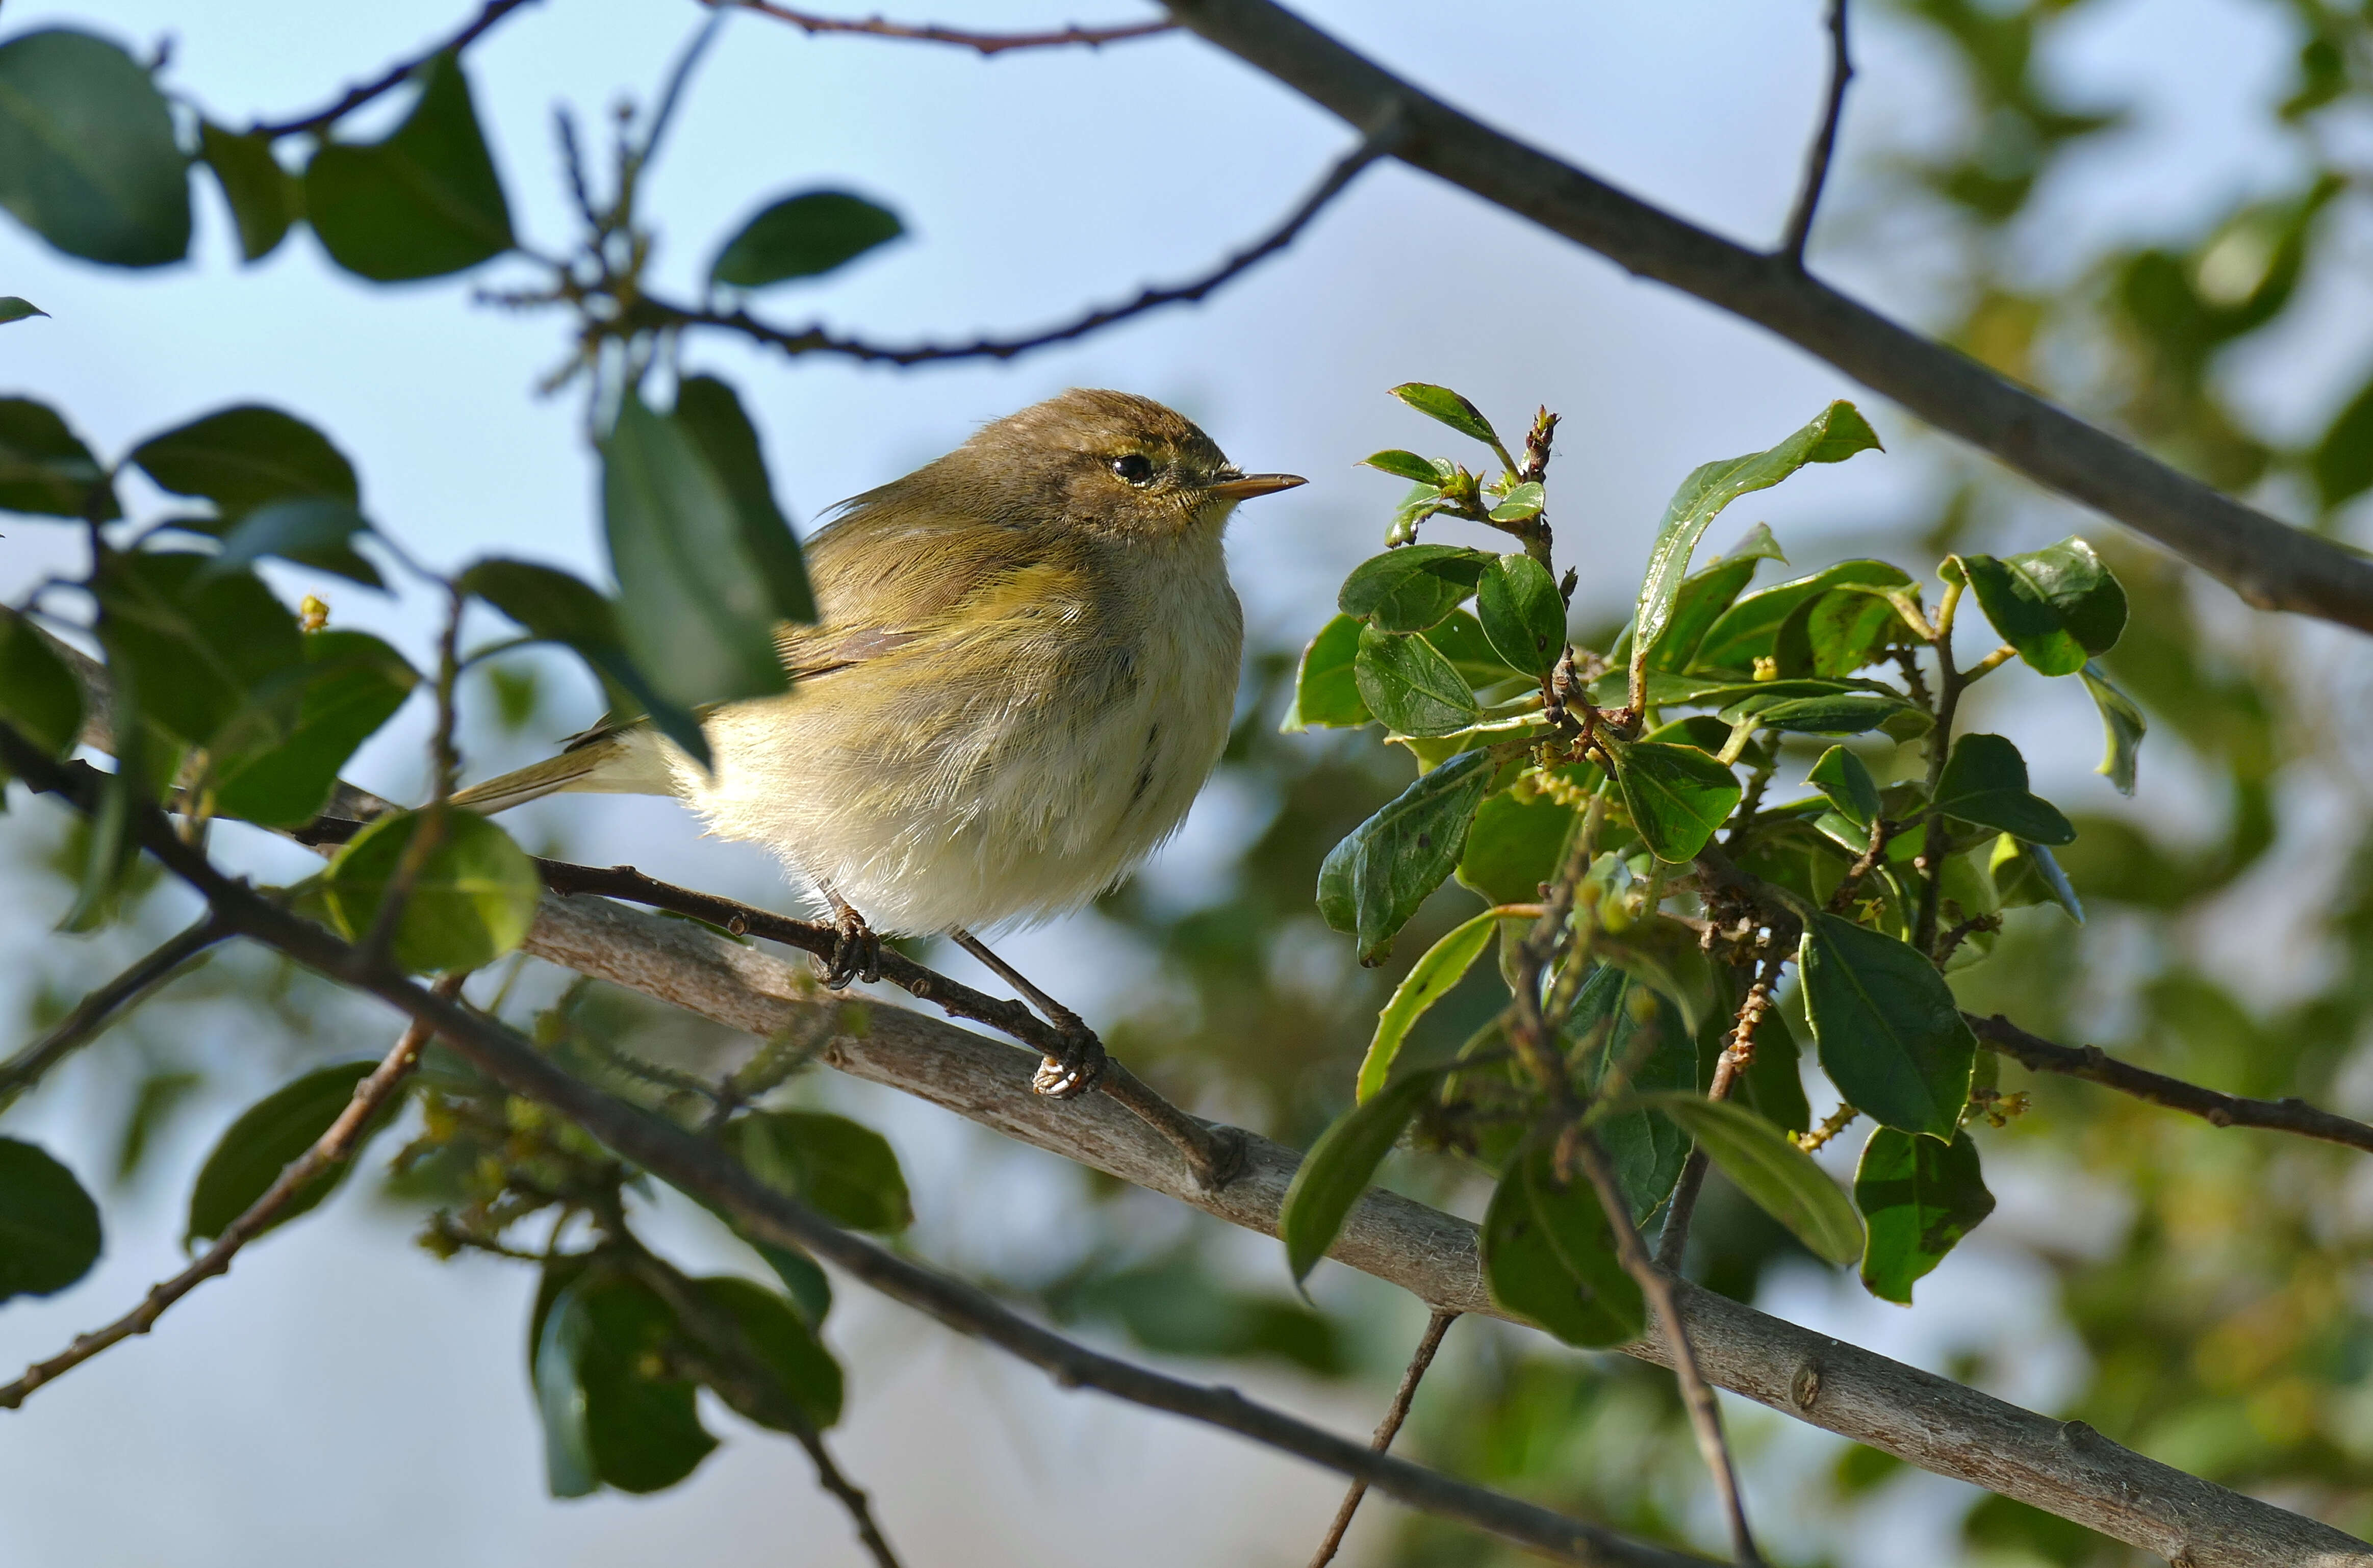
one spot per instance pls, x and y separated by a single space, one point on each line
49 1226
264 198
2028 873
1442 404
471 902
1374 881
154 1105
2122 727
1409 589
1891 1037
1325 690
1342 1166
355 683
557 1369
1985 783
1840 776
803 236
1921 1196
1515 846
1521 502
1676 795
1409 685
1644 1037
16 308
39 695
1751 628
45 469
249 1156
841 1169
240 458
1522 613
1405 465
315 531
88 158
711 414
423 203
804 1372
2342 460
1550 1258
2056 605
1781 1178
638 1424
1445 965
204 652
1174 1306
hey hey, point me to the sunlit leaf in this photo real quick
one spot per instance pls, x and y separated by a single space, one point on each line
1642 1036
1429 980
1891 1037
1442 404
355 683
1406 682
1409 589
2057 605
1516 844
1374 881
471 900
1676 795
1921 1196
1840 776
1521 502
1522 613
1326 693
1405 465
2122 728
1751 628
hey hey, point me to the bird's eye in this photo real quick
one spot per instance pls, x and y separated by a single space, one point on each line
1135 468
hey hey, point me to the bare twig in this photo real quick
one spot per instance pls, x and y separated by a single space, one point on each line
94 1012
1738 1055
1386 1430
1825 142
988 43
1931 864
395 77
328 1150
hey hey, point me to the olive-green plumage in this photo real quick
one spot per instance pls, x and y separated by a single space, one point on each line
1024 671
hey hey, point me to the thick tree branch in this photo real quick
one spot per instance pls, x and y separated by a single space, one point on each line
988 43
2272 566
393 78
94 1012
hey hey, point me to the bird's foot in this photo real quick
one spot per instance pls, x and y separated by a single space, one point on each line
856 951
1073 1069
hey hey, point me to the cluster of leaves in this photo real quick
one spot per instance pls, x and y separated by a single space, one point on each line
1598 801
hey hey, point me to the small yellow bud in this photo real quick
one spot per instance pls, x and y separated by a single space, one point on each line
312 614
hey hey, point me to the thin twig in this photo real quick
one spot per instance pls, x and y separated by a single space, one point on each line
331 1148
1931 864
1738 1055
395 77
94 1012
1825 142
988 43
1386 1430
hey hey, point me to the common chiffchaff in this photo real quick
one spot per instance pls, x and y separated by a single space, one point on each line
1024 671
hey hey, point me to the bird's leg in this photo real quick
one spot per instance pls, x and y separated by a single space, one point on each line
1081 1061
856 951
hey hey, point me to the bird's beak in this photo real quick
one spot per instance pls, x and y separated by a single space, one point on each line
1247 486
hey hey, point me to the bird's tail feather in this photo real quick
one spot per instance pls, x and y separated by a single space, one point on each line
607 764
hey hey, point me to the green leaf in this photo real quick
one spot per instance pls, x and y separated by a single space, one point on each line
1406 465
1549 1256
1646 1037
471 902
1515 846
843 1169
424 202
204 652
1676 795
1421 502
88 158
314 531
803 1370
49 1226
696 610
1326 693
1442 404
1704 598
1839 631
1458 636
1522 613
803 236
1840 776
1340 1166
1409 589
1832 713
711 414
1751 628
2342 460
2122 728
638 1426
242 457
249 1156
1985 783
46 469
1836 434
2057 605
2030 874
1522 501
16 308
1374 881
1429 980
1921 1196
1891 1037
1406 682
264 198
1781 1178
39 695
355 683
555 1368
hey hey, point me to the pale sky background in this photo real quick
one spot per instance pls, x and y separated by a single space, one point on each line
341 1398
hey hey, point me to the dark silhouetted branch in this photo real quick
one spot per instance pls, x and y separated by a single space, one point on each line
395 77
988 43
1825 141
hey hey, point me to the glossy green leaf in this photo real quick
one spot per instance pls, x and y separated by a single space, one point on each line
249 1157
1374 881
46 469
1921 1196
39 695
1522 613
1841 631
1751 628
49 1226
1642 1035
16 308
1326 693
2030 874
1705 597
1421 502
2122 728
1676 795
1781 1178
1521 502
1516 845
1891 1037
1834 713
204 650
556 1367
841 1169
240 458
1407 683
1409 589
312 530
1985 783
1429 980
1840 776
354 684
473 900
1442 404
1458 636
424 202
1836 434
803 236
771 1329
1340 1166
2057 605
1549 1256
1405 465
87 158
711 414
264 198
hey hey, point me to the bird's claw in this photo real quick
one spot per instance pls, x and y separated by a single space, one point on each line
856 951
1074 1070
